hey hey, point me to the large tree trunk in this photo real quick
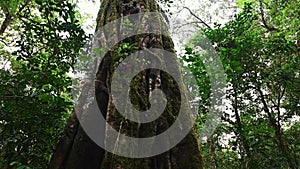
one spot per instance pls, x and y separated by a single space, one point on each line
78 151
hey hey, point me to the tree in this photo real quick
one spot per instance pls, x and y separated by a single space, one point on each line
77 150
259 61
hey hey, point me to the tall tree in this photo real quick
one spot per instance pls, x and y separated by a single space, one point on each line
259 61
77 150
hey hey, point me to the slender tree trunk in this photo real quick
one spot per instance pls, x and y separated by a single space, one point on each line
280 141
82 152
245 152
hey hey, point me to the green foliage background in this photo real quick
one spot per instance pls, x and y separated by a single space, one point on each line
259 49
40 46
260 54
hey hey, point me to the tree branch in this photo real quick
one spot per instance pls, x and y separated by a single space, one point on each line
9 17
6 22
265 24
201 21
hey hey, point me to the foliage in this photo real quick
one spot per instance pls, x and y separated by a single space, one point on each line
10 6
35 88
260 59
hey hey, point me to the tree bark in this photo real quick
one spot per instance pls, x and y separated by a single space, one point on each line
84 153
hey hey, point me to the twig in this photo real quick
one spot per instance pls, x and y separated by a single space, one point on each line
201 21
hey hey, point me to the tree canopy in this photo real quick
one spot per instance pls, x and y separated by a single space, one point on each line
41 41
261 61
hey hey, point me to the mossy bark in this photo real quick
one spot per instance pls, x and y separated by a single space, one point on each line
186 155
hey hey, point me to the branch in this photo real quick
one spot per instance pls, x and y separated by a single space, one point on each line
182 25
201 21
9 17
227 120
278 105
265 24
1 40
266 109
6 22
